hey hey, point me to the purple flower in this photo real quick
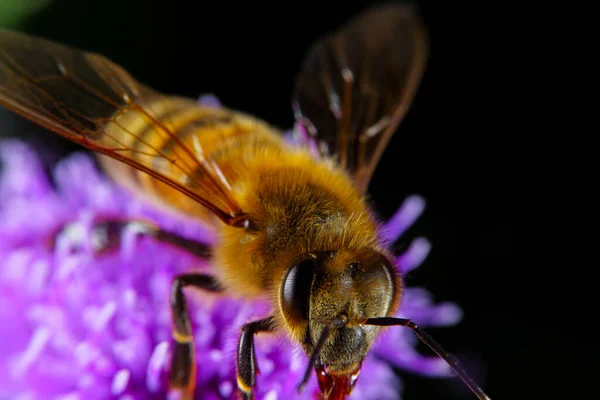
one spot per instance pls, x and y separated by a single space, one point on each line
78 326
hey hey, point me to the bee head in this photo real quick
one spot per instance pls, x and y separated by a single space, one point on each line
327 296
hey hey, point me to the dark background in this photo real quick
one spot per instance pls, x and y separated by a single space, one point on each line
457 147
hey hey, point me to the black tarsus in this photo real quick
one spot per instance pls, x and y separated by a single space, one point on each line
246 358
182 364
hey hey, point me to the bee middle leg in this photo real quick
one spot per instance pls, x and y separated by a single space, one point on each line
107 235
246 358
182 377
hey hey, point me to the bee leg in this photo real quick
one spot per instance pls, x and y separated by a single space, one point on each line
182 376
108 233
246 359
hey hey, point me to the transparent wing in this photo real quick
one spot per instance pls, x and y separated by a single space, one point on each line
357 84
92 101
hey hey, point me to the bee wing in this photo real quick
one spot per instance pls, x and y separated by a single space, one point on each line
356 85
83 96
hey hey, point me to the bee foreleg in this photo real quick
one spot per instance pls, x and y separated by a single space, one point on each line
246 359
183 368
109 233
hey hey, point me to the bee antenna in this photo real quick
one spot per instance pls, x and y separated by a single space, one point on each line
337 322
435 346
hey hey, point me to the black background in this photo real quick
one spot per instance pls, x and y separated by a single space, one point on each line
457 147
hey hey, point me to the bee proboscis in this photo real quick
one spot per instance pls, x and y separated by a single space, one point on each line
292 222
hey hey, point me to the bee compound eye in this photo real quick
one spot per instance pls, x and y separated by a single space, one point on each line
295 290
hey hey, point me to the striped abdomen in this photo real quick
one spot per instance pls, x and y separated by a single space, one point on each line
181 138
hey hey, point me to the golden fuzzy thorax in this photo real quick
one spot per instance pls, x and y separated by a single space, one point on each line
299 206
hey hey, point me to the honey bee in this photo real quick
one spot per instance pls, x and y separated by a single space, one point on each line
293 223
